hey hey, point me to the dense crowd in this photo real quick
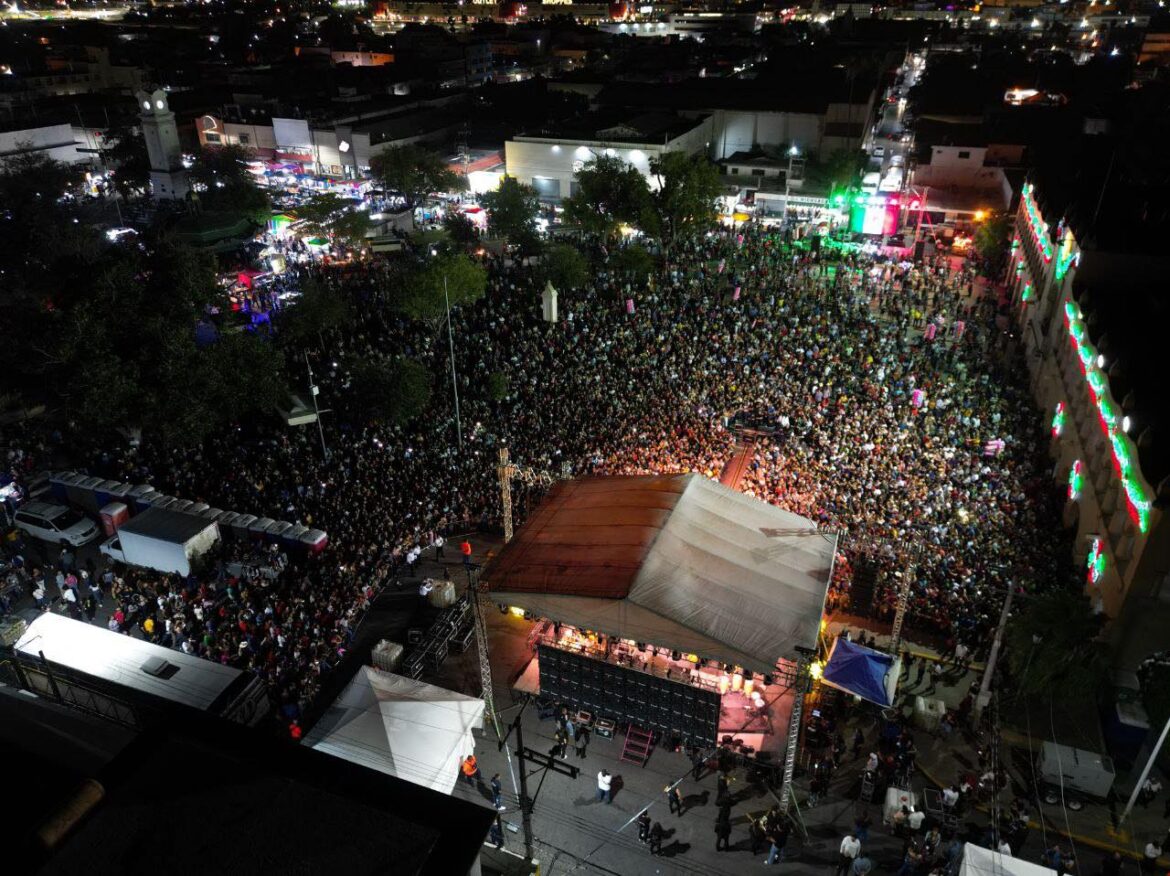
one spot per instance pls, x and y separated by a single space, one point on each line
884 383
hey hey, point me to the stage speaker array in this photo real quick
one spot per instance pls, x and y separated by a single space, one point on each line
670 707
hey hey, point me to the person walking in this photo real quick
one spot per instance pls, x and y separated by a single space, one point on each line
656 834
779 839
465 549
847 854
497 791
723 829
604 780
1150 856
560 744
470 768
438 545
644 827
674 800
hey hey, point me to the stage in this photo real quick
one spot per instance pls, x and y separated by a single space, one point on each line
750 711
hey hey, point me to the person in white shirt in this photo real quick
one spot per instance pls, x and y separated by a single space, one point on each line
915 819
1004 848
604 779
850 849
950 796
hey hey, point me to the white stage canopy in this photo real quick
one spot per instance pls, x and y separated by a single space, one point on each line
401 727
679 561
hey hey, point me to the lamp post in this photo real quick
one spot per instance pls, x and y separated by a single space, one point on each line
454 380
793 152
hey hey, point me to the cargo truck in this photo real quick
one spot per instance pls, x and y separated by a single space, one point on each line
163 540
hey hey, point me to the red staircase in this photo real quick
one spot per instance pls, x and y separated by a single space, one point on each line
639 744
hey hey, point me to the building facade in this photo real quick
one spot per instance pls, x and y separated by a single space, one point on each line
1122 536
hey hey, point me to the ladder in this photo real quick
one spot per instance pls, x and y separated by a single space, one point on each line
639 745
476 593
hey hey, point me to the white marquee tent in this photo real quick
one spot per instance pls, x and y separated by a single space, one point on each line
399 726
978 861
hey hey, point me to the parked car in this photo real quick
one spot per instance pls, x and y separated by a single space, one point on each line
56 523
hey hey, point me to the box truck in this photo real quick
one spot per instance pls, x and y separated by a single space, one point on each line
166 541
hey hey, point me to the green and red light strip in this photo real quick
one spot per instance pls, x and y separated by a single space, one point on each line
1058 419
1095 565
1036 223
1076 480
1124 451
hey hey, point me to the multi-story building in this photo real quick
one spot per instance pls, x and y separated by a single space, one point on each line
1089 321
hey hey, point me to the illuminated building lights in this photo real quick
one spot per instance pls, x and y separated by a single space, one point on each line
1124 450
1058 420
1068 257
1029 293
1096 562
1019 267
1037 223
1076 480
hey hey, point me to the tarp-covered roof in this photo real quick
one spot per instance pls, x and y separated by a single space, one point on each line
871 675
978 861
680 561
401 727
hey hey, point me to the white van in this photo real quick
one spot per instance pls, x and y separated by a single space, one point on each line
56 523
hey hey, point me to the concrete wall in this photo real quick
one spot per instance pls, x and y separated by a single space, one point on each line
740 130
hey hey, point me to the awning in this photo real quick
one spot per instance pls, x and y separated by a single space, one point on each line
864 672
679 561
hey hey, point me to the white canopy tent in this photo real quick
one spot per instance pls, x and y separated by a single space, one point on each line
678 561
978 861
401 727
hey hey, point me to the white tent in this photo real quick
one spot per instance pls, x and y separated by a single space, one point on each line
678 561
401 727
978 861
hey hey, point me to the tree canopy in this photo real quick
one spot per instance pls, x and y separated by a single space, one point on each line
564 267
688 186
225 184
512 212
330 215
1054 647
610 193
421 292
317 310
395 391
413 172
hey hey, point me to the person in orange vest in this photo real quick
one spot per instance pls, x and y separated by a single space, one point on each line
470 769
294 731
465 549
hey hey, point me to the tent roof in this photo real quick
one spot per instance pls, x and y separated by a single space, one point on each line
978 861
862 671
677 560
400 727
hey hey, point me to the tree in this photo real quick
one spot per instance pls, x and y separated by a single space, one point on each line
496 386
413 173
422 295
335 217
1053 646
564 267
610 193
224 183
128 360
991 242
512 211
129 161
396 391
318 310
462 231
688 186
633 261
840 168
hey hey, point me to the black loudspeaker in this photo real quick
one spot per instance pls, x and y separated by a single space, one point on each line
861 589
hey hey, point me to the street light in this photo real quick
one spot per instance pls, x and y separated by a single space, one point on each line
793 152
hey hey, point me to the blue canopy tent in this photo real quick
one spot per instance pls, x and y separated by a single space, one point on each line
863 672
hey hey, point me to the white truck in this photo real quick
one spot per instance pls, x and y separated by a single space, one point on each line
1073 775
166 541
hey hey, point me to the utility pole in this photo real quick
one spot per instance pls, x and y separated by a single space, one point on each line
506 470
984 697
525 802
454 380
1145 773
313 390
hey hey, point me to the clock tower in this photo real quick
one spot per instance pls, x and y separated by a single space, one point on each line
167 176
